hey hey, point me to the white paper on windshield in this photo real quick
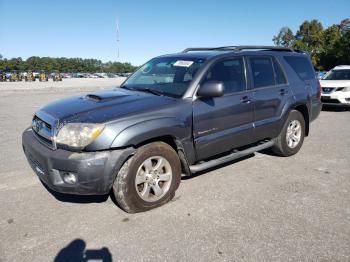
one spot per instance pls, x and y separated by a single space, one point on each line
183 63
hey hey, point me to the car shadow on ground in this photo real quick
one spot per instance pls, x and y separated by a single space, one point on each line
76 251
269 152
335 108
194 175
80 199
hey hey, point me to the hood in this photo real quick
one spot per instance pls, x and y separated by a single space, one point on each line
335 83
104 106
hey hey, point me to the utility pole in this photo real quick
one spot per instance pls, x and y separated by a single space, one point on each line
118 39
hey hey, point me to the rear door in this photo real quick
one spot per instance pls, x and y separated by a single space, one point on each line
223 123
270 90
306 88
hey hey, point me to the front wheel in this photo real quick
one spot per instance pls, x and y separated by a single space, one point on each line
291 138
149 179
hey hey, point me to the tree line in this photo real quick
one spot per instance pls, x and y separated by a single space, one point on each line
327 47
66 65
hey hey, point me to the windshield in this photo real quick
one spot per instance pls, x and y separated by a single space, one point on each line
164 76
343 74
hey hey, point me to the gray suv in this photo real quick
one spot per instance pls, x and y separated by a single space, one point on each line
176 115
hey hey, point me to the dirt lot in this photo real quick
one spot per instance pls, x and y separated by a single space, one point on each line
263 208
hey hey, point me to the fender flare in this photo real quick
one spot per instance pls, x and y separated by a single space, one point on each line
149 129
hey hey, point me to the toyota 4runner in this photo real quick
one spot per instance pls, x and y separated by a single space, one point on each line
176 115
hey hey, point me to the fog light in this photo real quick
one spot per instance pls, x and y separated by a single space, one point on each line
347 99
69 178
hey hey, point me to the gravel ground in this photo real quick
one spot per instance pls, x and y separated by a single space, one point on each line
262 208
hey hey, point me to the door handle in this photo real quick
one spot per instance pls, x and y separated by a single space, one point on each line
245 100
283 92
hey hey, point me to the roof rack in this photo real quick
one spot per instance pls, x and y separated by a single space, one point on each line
240 48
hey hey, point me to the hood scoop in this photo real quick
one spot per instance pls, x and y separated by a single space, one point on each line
92 97
104 96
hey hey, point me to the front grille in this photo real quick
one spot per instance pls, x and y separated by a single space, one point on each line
44 140
329 100
43 131
38 123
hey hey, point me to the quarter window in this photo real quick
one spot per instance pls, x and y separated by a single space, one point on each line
301 66
231 73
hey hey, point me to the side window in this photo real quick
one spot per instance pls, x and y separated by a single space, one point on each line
262 71
301 66
279 75
231 73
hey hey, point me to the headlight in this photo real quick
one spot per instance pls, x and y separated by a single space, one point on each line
346 89
78 135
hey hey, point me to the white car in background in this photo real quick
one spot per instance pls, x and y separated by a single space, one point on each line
336 86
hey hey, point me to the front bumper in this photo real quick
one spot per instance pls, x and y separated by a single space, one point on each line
94 171
337 98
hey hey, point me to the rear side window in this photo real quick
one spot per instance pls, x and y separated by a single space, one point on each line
262 70
279 75
301 66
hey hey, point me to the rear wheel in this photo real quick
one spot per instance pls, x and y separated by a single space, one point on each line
148 179
292 136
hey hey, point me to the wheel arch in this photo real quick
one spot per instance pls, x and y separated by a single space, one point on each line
175 144
303 109
171 131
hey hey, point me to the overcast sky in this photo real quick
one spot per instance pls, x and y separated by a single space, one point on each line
87 28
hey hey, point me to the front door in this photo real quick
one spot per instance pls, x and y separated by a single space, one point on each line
223 123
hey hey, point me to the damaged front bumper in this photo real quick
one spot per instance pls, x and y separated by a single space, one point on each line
85 173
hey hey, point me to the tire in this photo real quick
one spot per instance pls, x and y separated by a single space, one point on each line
131 194
281 146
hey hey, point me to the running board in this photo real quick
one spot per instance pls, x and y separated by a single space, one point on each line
230 157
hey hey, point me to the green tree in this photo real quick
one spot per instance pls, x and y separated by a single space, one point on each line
327 47
285 37
336 50
309 32
62 64
344 26
343 48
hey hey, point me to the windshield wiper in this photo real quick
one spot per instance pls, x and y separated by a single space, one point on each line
143 89
148 90
126 87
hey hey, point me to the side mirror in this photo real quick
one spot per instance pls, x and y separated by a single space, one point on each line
211 89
